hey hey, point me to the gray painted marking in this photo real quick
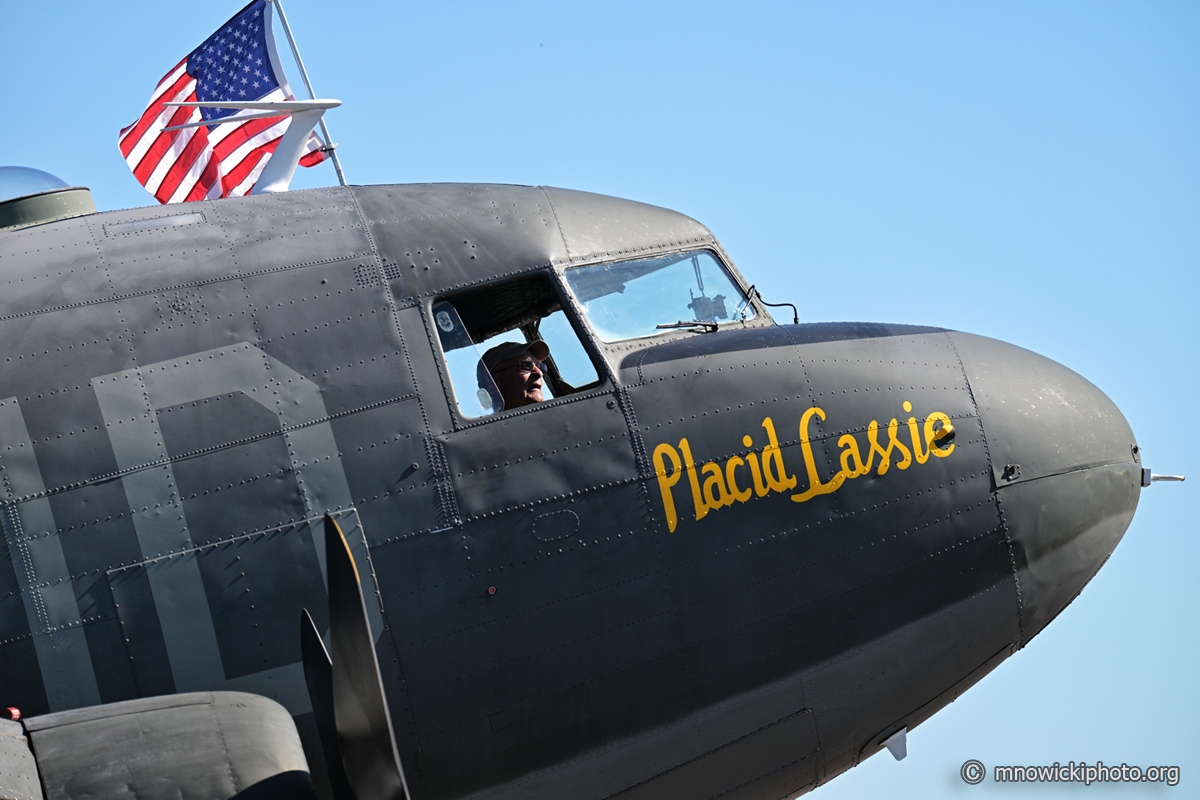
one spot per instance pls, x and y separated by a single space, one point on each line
129 401
37 555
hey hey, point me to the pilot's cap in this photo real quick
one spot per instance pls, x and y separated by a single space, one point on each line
507 350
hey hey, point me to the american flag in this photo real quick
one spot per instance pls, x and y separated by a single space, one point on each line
238 62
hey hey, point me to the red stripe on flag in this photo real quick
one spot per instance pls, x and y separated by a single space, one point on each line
196 148
218 155
163 142
313 158
239 173
208 178
226 147
130 136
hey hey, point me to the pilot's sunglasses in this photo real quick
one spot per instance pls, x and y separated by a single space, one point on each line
524 367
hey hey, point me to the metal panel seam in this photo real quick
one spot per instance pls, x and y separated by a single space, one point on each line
554 212
1012 558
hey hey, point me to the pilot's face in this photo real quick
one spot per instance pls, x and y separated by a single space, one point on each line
518 387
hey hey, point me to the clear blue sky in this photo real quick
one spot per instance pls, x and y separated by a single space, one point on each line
1027 171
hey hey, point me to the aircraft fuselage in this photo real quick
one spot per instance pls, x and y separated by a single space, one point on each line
737 561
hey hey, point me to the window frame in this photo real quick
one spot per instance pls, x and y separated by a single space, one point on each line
761 316
605 380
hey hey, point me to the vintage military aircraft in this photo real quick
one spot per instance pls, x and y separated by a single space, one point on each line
723 557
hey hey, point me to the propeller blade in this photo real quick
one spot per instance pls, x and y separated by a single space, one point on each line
318 675
364 726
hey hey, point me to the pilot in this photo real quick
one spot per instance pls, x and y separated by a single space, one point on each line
517 368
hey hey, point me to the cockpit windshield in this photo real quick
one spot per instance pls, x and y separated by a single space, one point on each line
630 299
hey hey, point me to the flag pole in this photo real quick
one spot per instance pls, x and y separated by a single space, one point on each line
337 165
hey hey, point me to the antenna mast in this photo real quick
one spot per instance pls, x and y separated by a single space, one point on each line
337 165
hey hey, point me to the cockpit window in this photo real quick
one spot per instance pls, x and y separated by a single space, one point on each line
510 345
630 299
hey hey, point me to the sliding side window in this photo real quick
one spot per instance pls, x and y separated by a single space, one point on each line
473 326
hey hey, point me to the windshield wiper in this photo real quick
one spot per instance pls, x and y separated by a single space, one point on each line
705 326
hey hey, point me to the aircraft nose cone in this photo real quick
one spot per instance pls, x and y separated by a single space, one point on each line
1064 464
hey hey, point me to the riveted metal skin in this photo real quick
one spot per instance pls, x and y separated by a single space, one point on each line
735 565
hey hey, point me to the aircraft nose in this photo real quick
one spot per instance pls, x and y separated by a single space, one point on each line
1065 466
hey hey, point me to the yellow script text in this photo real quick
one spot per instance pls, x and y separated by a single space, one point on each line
714 485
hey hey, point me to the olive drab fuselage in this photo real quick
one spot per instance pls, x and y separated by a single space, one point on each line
730 560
